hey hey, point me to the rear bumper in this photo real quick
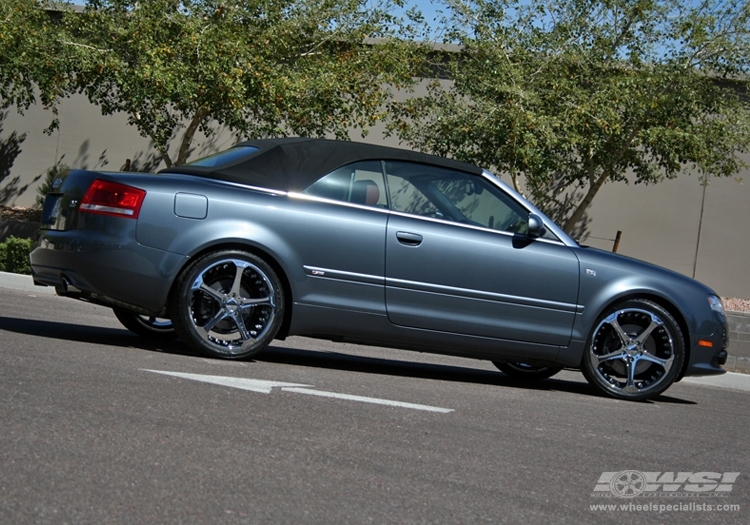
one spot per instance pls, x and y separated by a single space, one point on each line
105 268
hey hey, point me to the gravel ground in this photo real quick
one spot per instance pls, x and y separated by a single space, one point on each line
736 305
18 213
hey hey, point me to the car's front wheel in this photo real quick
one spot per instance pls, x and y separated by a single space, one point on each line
228 304
527 371
635 351
148 327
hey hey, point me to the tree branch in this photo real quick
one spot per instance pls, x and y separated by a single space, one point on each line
187 137
164 154
86 46
594 188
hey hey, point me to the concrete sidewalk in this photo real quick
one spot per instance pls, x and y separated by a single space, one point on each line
16 281
731 380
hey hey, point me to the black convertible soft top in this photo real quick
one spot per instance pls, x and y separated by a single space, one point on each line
292 164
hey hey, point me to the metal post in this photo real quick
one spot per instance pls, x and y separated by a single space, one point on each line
617 241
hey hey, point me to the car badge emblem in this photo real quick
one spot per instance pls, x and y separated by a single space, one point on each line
590 272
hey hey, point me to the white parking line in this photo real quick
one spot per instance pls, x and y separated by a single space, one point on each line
265 387
254 385
373 400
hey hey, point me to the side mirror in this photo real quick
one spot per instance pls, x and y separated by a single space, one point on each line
536 226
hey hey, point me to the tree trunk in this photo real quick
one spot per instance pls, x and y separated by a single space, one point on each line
187 137
570 224
516 184
165 157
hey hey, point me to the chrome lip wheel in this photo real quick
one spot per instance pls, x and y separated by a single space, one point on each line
232 305
632 353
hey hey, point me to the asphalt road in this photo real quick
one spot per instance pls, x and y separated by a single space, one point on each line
93 431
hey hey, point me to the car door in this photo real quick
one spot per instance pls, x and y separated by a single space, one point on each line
338 232
458 260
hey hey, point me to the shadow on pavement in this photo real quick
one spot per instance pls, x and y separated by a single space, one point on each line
307 358
374 365
90 334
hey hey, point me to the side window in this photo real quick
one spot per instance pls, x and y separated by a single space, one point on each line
481 206
453 196
358 183
405 195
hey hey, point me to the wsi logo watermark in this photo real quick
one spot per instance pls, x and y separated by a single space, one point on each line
632 483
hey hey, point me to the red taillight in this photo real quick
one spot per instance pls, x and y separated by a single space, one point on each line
112 198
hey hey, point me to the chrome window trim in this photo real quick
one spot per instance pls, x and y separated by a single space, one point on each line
563 237
474 227
260 189
304 196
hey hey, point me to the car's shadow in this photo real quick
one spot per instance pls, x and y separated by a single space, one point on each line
307 358
392 367
100 335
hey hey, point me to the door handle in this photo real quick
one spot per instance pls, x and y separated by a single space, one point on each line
409 239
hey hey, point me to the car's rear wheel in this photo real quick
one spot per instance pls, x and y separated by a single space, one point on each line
527 371
635 351
148 327
228 304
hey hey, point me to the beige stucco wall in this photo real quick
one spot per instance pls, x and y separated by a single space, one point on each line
660 223
85 139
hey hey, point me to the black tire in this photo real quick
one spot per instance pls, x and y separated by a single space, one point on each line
635 351
228 304
526 371
154 328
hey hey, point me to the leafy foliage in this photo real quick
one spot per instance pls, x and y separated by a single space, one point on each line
14 255
260 67
34 57
573 94
50 176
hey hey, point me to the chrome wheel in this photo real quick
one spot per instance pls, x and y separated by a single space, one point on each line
229 304
635 351
527 371
148 327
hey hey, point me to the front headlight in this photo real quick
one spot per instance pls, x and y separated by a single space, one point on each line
716 304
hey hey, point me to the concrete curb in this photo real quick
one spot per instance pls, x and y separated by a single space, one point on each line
730 380
739 342
16 281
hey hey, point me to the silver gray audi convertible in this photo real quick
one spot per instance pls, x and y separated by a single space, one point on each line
373 245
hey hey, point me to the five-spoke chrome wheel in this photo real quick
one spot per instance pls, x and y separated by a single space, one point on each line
635 351
228 304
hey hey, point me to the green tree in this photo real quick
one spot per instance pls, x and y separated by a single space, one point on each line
34 56
259 67
572 94
53 173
